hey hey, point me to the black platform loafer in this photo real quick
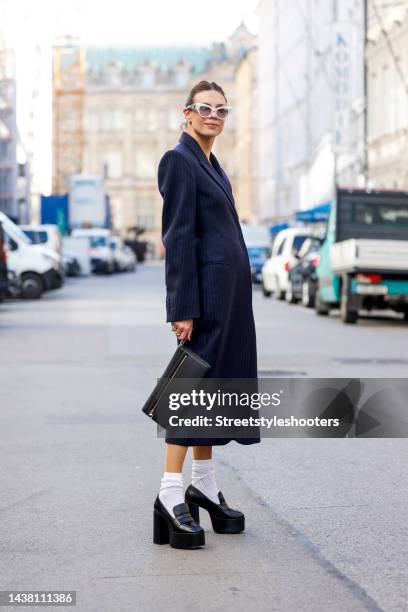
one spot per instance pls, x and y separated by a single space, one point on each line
180 532
223 518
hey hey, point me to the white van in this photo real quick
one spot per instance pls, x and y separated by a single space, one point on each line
48 235
100 250
40 268
275 270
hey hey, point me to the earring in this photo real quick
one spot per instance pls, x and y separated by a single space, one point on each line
190 122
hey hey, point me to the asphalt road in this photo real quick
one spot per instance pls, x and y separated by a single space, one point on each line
80 465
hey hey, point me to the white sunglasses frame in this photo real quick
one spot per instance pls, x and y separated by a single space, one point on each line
195 104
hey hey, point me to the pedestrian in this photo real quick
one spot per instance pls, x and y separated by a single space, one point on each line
208 302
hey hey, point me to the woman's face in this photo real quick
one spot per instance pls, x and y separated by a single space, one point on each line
206 126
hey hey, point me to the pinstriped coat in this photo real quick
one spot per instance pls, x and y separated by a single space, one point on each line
207 268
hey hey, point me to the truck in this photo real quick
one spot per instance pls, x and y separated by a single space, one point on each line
85 205
364 256
88 204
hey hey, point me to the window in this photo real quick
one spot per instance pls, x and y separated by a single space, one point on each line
97 241
297 243
138 119
148 79
145 214
29 234
151 119
379 219
175 119
281 247
42 237
113 165
112 120
91 121
145 163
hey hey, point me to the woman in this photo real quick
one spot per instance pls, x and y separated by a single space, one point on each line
208 302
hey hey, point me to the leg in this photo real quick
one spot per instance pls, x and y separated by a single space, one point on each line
175 456
172 487
170 504
202 452
203 476
204 492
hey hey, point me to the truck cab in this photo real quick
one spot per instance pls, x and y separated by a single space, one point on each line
364 258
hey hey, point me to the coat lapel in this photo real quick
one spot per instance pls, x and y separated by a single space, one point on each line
193 145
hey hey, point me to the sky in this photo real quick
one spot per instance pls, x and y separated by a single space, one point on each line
128 22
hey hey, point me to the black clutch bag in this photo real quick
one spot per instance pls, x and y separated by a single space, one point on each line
185 363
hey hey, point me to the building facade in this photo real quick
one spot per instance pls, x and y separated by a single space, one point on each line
130 113
387 67
310 96
246 152
8 135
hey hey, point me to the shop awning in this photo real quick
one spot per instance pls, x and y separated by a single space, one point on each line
274 229
313 215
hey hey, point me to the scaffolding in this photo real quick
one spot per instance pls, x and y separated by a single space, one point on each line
8 135
68 111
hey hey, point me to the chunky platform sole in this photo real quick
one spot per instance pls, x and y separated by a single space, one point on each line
219 525
163 533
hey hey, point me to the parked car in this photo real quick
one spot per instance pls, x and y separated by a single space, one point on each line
364 258
276 268
48 235
257 257
100 250
130 259
302 279
125 259
3 266
39 267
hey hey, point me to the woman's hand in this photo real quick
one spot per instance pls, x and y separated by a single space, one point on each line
183 329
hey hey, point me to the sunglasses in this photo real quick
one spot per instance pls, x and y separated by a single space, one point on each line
205 110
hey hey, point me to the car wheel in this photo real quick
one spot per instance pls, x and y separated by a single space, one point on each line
290 298
307 299
321 307
347 315
265 291
32 286
280 294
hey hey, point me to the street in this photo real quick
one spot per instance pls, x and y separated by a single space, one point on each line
81 465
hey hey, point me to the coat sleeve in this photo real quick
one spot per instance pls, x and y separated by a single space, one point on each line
177 185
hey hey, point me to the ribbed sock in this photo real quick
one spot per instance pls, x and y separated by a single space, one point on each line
203 478
171 490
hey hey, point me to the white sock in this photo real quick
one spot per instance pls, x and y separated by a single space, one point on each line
171 490
203 479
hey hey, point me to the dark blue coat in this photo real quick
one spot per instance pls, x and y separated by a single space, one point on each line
208 276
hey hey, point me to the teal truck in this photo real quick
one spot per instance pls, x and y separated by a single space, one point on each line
364 257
